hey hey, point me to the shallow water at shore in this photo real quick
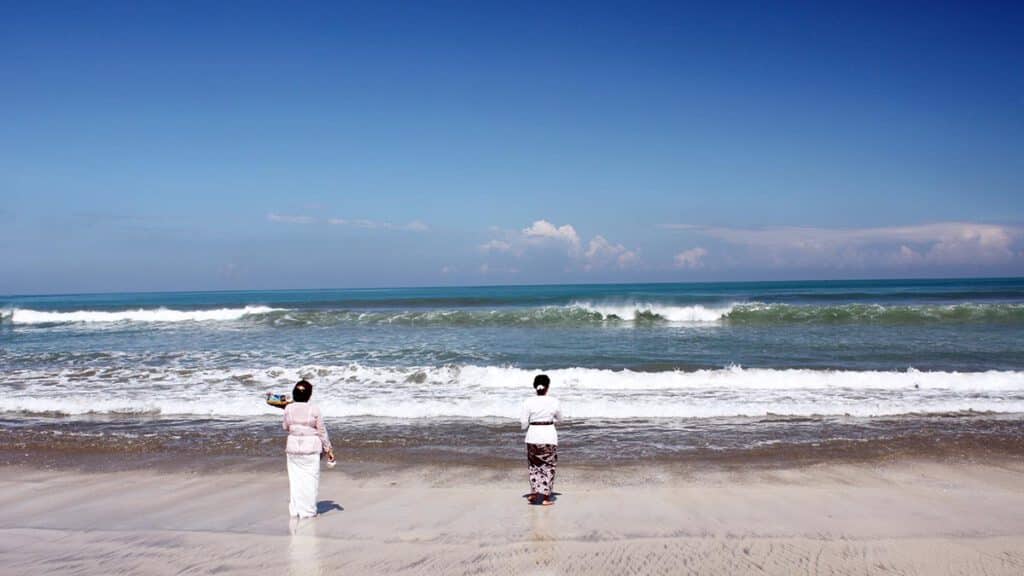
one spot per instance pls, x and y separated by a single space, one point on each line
772 440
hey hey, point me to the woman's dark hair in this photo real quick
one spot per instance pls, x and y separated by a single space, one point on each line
541 384
302 391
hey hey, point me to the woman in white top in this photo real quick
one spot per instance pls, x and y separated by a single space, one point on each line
538 419
307 439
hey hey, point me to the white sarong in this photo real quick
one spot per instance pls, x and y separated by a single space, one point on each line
304 479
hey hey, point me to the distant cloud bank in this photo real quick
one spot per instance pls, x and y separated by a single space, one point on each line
546 249
414 226
692 258
288 219
942 244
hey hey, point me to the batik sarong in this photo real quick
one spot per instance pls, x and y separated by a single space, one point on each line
543 459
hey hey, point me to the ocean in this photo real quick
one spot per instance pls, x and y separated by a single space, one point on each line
643 370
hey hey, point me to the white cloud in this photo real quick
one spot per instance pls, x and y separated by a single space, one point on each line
936 244
600 252
542 237
542 229
496 246
287 219
692 258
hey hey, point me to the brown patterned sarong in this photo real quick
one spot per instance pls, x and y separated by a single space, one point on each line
543 459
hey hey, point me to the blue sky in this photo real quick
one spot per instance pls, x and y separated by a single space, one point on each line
171 146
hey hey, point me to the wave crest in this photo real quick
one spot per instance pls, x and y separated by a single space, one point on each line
25 316
647 312
574 314
759 313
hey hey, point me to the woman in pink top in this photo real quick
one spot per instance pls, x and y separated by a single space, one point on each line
307 439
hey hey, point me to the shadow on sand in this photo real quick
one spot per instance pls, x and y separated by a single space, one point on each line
554 497
325 506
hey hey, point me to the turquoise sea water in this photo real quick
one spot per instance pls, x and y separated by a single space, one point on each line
654 355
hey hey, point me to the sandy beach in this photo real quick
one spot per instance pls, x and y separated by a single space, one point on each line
505 288
912 516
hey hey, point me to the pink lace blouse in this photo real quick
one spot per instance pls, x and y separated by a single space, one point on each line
306 431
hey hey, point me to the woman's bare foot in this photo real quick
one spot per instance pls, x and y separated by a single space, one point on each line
547 503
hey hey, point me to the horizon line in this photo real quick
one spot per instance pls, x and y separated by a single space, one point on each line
524 285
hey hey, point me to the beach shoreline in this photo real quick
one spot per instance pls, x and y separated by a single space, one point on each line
909 515
869 427
169 444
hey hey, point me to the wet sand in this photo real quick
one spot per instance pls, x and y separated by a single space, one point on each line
909 516
106 442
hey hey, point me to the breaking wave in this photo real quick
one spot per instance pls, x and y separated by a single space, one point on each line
574 314
467 391
24 316
595 314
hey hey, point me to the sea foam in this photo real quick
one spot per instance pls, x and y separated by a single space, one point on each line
25 316
634 311
586 314
497 391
